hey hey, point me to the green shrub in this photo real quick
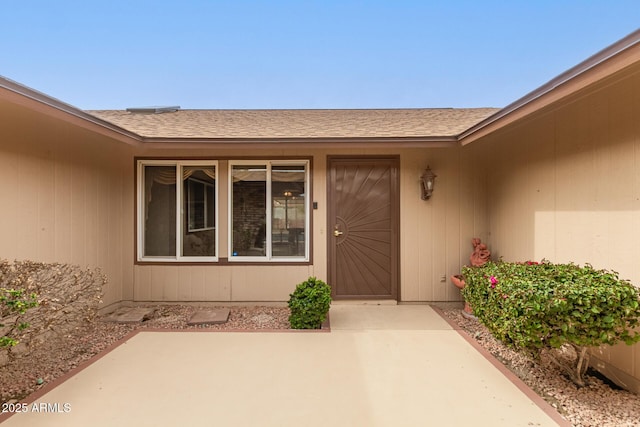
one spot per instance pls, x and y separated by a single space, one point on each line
13 304
309 304
546 306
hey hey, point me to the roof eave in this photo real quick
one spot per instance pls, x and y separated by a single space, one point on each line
293 142
610 60
38 101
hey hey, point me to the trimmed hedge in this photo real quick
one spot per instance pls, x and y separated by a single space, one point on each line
309 304
536 306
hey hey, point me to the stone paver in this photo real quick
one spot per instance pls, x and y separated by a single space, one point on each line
131 315
209 317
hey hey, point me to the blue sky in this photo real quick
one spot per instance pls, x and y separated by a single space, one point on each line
114 54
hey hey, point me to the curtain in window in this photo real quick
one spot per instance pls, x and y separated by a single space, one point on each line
166 175
159 207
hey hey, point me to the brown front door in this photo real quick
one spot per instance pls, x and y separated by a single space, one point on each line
363 223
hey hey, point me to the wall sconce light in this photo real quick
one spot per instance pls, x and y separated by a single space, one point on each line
427 180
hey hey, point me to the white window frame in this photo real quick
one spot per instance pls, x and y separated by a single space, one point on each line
180 212
269 258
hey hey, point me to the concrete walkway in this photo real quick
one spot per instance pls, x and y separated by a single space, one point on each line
379 366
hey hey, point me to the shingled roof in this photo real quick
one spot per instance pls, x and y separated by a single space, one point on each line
303 124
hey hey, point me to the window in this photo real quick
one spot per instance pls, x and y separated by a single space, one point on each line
267 205
177 210
268 211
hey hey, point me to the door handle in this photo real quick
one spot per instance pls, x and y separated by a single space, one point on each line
337 232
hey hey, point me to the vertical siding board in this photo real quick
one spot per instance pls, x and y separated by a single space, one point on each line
621 356
138 293
9 187
481 219
237 278
110 235
421 243
184 284
603 194
425 220
542 189
319 191
46 209
218 286
156 274
197 283
621 248
78 214
91 215
102 230
437 231
63 210
453 218
28 179
575 155
125 221
143 284
410 241
469 213
170 281
212 280
438 243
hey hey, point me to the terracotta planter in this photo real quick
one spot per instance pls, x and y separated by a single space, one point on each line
459 283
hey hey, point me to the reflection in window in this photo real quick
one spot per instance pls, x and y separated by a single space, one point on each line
288 216
269 211
249 210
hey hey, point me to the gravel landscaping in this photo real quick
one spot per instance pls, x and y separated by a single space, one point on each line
598 404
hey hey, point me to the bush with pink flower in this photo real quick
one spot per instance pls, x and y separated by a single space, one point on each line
544 306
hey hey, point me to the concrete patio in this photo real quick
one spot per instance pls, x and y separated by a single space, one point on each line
389 365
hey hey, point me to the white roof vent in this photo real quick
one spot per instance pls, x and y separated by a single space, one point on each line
153 110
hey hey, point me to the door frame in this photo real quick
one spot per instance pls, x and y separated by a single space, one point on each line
394 161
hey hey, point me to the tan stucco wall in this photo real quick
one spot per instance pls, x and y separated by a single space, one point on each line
435 234
565 186
66 197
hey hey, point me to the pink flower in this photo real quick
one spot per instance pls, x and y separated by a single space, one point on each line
493 281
